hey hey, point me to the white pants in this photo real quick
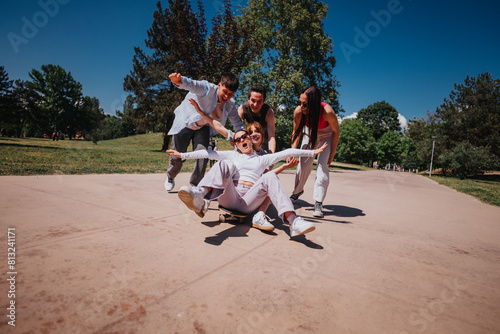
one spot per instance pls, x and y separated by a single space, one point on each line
322 172
244 198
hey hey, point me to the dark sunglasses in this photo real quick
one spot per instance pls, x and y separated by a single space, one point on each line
304 104
237 140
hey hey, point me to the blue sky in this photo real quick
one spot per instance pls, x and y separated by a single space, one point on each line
409 53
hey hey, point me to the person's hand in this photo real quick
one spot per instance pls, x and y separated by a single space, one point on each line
196 106
291 162
330 158
321 149
175 78
174 153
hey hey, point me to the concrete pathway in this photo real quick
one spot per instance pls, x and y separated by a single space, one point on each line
395 253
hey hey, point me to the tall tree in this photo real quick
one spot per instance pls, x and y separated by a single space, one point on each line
380 118
472 113
57 95
389 147
410 155
8 118
177 42
356 143
295 53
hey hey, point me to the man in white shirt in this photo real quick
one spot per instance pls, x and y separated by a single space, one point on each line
190 127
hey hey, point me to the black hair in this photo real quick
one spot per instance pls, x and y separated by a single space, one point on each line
312 117
230 80
257 89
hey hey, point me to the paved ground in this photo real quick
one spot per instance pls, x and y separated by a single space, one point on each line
395 253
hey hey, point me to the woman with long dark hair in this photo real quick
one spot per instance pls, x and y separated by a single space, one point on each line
317 123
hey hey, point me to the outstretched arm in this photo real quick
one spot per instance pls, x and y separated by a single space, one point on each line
175 78
320 149
174 153
213 122
270 159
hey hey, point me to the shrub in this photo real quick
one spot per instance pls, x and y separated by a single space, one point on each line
466 160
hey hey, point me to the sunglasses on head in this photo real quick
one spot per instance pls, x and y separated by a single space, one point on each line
303 104
237 140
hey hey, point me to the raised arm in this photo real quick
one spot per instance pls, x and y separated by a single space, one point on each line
175 78
196 87
213 122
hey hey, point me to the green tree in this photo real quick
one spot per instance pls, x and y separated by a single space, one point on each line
467 160
55 97
112 127
88 118
389 147
410 155
356 143
380 118
472 113
295 52
53 101
177 42
10 120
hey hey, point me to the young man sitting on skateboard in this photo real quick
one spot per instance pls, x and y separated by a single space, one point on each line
237 182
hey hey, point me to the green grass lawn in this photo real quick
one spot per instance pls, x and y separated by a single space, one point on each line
135 154
484 187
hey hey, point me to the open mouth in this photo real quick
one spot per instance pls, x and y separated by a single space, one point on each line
244 145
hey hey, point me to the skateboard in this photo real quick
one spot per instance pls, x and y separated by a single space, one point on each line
230 213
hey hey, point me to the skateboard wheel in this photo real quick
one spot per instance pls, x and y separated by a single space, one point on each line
222 218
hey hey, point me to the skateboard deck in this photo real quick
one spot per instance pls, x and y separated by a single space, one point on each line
230 213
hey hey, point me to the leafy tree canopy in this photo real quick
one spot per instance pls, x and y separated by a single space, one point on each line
471 113
295 53
177 42
380 118
356 143
389 147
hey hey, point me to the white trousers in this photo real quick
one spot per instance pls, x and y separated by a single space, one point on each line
322 172
244 198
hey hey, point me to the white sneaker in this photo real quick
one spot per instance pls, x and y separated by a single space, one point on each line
169 184
194 200
299 226
260 221
318 210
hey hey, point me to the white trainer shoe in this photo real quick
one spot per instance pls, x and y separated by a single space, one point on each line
194 200
169 184
318 210
260 221
299 226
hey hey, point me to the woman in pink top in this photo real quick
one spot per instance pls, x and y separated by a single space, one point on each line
317 123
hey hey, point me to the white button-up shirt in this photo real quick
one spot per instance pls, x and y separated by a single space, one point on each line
205 94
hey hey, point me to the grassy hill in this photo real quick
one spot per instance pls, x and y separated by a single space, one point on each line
35 156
